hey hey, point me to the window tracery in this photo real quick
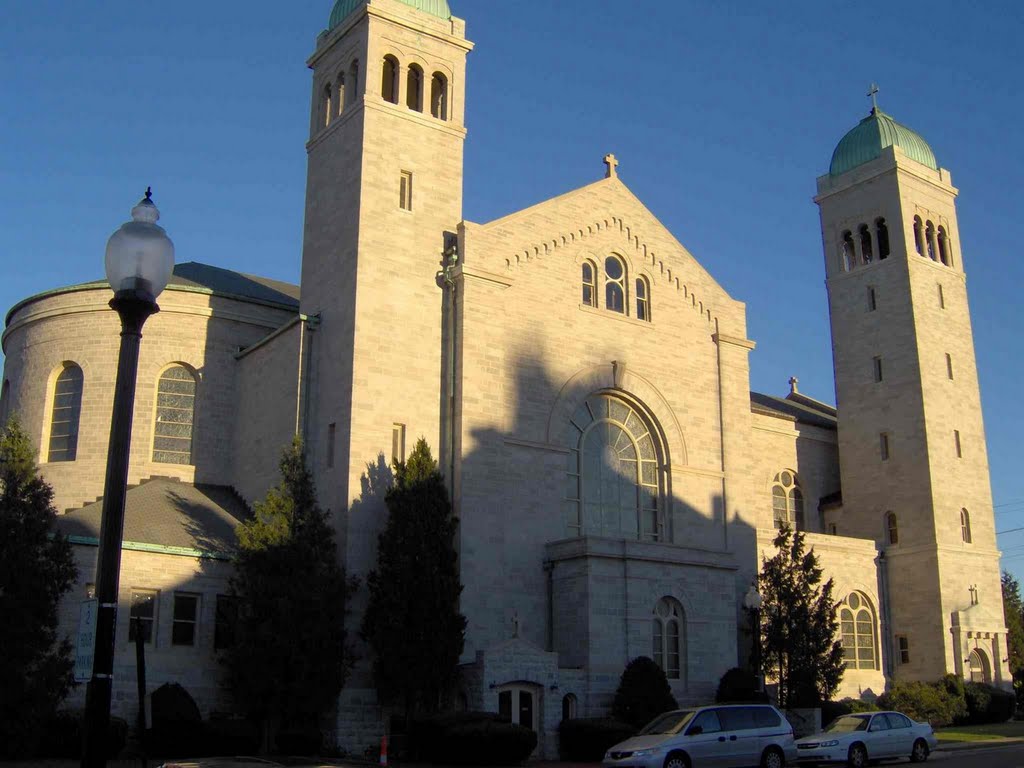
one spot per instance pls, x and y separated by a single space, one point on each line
787 501
668 637
857 628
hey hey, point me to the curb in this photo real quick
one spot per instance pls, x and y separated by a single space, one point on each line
955 746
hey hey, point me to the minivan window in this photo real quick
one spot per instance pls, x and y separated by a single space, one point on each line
670 722
737 718
707 721
766 717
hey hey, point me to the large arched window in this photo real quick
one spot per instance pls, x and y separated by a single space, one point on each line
389 79
414 88
892 528
882 235
668 637
439 96
588 278
787 501
614 477
175 412
614 285
66 414
569 706
857 626
965 525
643 299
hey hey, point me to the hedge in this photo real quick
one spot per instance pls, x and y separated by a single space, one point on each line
988 704
587 739
461 738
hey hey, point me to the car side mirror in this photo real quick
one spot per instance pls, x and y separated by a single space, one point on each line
695 730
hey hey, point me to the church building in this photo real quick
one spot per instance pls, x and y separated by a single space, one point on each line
585 386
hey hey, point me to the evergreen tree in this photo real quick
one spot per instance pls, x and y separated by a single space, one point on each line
1013 615
291 657
36 568
643 693
412 622
798 624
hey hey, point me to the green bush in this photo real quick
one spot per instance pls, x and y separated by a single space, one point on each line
586 739
934 703
643 693
488 743
988 704
740 685
427 735
62 736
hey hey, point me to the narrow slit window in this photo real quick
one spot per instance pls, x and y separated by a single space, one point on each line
643 299
892 528
398 444
942 298
956 444
965 526
949 366
872 300
332 429
589 282
877 365
883 445
405 191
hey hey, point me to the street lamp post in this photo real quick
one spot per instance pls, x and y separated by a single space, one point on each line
139 261
752 601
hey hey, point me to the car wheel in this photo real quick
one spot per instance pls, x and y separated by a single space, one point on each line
920 752
772 758
677 760
857 757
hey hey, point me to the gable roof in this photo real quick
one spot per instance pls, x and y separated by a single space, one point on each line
167 513
794 407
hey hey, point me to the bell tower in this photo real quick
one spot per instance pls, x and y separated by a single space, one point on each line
384 184
913 461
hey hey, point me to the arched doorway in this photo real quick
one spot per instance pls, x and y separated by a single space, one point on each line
978 668
520 703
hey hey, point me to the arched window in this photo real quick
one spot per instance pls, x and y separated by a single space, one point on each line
857 626
944 247
668 638
787 501
328 102
589 282
978 667
643 299
918 236
614 285
569 706
965 525
175 411
614 472
339 93
389 79
67 411
882 236
865 243
414 88
439 96
849 252
352 82
5 403
929 240
892 528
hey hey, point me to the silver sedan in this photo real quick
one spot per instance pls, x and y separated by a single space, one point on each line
856 739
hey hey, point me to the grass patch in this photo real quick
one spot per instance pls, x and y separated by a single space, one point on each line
1012 729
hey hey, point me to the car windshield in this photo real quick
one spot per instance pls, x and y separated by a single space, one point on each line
670 722
848 724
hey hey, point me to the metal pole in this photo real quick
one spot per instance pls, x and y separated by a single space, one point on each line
133 307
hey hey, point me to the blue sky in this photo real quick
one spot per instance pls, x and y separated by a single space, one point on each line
721 114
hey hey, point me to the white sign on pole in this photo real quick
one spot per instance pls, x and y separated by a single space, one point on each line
86 643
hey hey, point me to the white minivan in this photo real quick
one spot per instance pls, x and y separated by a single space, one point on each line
720 736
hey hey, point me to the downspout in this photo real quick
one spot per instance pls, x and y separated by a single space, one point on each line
883 588
306 327
449 262
721 441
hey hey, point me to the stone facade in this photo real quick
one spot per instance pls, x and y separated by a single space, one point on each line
503 358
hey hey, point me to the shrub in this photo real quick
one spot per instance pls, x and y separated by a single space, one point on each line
462 738
643 693
62 736
930 702
988 704
587 739
740 685
427 735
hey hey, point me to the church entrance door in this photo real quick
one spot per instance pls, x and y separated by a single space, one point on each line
518 702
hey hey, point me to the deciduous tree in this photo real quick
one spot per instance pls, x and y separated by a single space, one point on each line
412 622
799 624
36 568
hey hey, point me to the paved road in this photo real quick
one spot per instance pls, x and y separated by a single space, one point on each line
981 757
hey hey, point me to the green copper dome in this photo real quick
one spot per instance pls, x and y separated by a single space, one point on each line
873 134
343 8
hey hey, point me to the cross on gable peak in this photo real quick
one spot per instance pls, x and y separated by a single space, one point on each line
612 163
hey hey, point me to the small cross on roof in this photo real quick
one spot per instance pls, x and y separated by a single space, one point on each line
611 162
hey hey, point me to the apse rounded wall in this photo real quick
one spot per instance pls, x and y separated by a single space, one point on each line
61 351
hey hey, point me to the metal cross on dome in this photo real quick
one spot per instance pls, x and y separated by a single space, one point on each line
873 93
